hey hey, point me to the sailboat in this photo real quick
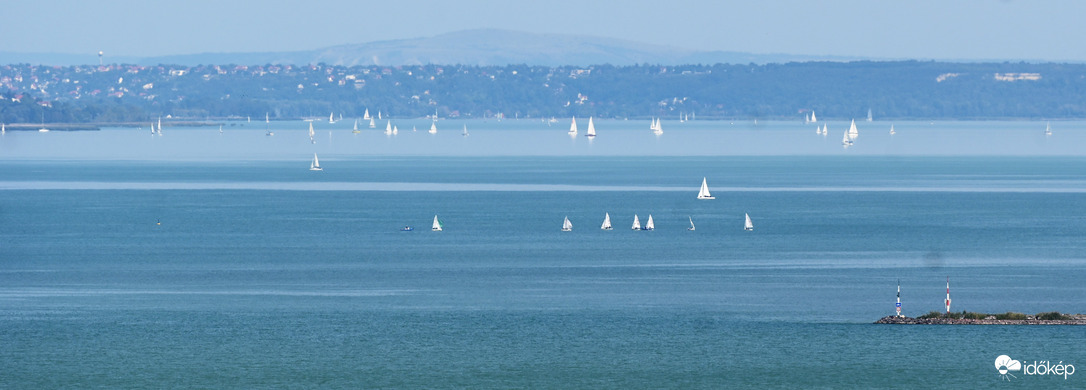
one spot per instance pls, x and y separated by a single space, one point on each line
331 118
658 128
636 224
395 130
573 126
567 226
159 125
3 128
465 133
378 114
220 129
869 118
846 140
691 228
649 225
316 164
1048 129
373 125
747 225
813 118
703 193
433 127
437 224
825 129
892 132
652 124
388 128
852 131
606 222
366 116
591 132
355 130
311 134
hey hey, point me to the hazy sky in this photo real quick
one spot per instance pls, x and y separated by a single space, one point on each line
942 29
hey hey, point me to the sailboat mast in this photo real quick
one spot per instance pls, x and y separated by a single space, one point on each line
947 295
899 298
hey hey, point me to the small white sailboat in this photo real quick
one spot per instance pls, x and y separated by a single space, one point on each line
606 222
652 124
355 129
825 129
433 127
366 116
3 128
159 125
747 225
220 129
892 132
437 224
703 193
852 131
315 165
373 124
659 128
649 225
591 132
869 118
1048 129
378 114
312 134
395 130
846 140
388 128
636 224
465 133
573 126
814 119
331 118
691 228
567 226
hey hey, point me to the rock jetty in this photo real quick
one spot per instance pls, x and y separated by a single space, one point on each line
1075 320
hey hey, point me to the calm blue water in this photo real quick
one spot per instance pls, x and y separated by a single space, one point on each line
264 274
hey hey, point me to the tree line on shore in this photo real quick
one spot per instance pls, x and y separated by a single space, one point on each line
833 90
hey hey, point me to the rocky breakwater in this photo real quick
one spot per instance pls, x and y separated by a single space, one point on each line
1077 319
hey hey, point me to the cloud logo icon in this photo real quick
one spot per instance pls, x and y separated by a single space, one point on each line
1004 364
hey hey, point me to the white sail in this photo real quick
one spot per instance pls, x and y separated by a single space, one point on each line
220 129
747 225
315 165
373 124
366 116
573 126
852 131
378 114
395 130
567 225
465 133
591 132
636 224
606 222
311 133
355 126
1048 129
433 127
388 127
649 225
659 128
703 193
846 140
691 228
160 126
652 124
869 118
437 224
892 132
3 128
331 118
813 118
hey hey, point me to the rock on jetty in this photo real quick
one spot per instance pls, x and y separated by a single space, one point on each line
1077 320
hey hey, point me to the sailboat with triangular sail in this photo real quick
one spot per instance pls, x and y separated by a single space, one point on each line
315 165
636 224
649 225
311 134
892 132
747 225
355 129
366 116
373 124
567 226
658 128
814 119
852 131
388 128
331 118
465 133
591 132
691 228
846 140
573 126
437 224
433 127
703 193
1048 129
606 222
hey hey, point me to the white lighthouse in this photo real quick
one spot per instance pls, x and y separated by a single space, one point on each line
947 295
899 298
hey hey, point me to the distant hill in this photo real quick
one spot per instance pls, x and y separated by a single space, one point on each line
485 47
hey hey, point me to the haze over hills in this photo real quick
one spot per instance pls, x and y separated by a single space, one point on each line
484 47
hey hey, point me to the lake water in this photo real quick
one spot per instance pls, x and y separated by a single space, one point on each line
265 274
